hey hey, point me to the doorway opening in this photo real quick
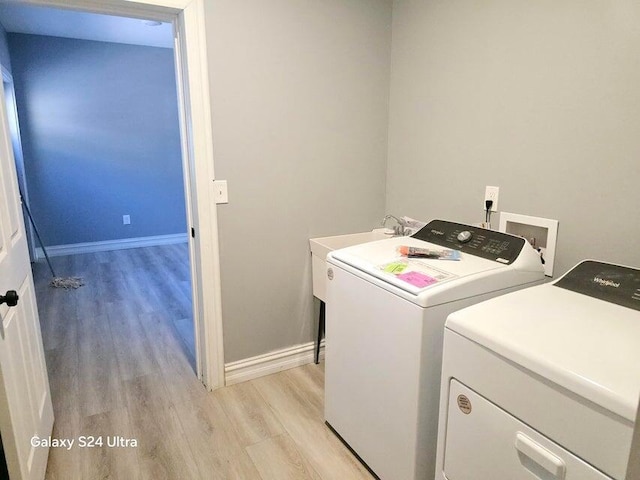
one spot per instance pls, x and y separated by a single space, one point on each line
186 17
103 138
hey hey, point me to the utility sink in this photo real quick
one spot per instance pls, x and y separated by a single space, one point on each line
320 247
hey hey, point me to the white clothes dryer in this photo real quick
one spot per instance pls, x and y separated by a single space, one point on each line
543 383
385 318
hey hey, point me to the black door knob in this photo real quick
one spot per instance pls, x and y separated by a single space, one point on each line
10 298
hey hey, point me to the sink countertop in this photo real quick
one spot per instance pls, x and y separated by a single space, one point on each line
321 246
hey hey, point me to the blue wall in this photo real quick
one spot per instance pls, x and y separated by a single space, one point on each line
5 60
100 134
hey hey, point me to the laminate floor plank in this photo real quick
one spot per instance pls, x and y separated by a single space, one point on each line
176 304
90 298
161 294
65 464
249 413
308 380
63 370
163 451
109 451
100 384
278 458
184 328
215 443
132 346
305 425
110 284
137 280
61 308
174 362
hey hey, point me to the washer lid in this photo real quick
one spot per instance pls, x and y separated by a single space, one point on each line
382 260
584 344
488 262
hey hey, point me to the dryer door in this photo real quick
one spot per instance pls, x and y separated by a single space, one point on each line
485 442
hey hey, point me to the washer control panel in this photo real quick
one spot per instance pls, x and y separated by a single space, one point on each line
611 283
489 244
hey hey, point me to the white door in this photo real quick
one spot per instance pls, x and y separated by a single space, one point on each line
26 412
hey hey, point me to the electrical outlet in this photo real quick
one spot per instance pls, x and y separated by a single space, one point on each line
491 193
126 219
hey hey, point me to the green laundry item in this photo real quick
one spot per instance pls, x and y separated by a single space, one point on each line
395 268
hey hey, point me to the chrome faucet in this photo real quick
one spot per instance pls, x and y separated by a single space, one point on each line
399 229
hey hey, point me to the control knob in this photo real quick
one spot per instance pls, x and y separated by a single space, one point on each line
464 236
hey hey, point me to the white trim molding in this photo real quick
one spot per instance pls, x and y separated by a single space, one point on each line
109 245
272 362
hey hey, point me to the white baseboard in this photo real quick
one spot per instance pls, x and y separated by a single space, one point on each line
272 362
108 245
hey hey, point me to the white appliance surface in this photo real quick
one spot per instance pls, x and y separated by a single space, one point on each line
583 344
470 276
492 444
384 345
564 363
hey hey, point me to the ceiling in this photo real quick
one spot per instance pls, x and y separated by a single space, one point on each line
87 26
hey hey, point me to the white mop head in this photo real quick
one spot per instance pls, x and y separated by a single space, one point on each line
66 282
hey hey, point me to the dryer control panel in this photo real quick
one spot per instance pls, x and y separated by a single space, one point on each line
497 246
611 283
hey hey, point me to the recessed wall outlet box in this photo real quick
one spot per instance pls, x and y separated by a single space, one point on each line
126 219
541 233
491 193
220 191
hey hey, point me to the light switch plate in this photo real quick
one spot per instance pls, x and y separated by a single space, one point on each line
220 191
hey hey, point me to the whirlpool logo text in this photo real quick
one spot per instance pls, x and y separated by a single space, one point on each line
606 283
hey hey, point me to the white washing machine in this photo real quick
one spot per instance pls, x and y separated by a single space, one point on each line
385 318
543 383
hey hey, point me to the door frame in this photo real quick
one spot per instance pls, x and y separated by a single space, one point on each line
192 79
7 80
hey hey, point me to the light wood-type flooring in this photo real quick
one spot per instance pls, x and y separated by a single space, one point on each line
121 366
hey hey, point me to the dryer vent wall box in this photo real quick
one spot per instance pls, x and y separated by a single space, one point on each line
542 233
545 378
384 327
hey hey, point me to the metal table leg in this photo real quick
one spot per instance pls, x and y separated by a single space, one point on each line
320 331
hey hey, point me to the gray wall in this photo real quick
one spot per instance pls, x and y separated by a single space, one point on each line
100 135
539 98
300 104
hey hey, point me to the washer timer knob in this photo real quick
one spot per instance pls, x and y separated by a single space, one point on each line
464 236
